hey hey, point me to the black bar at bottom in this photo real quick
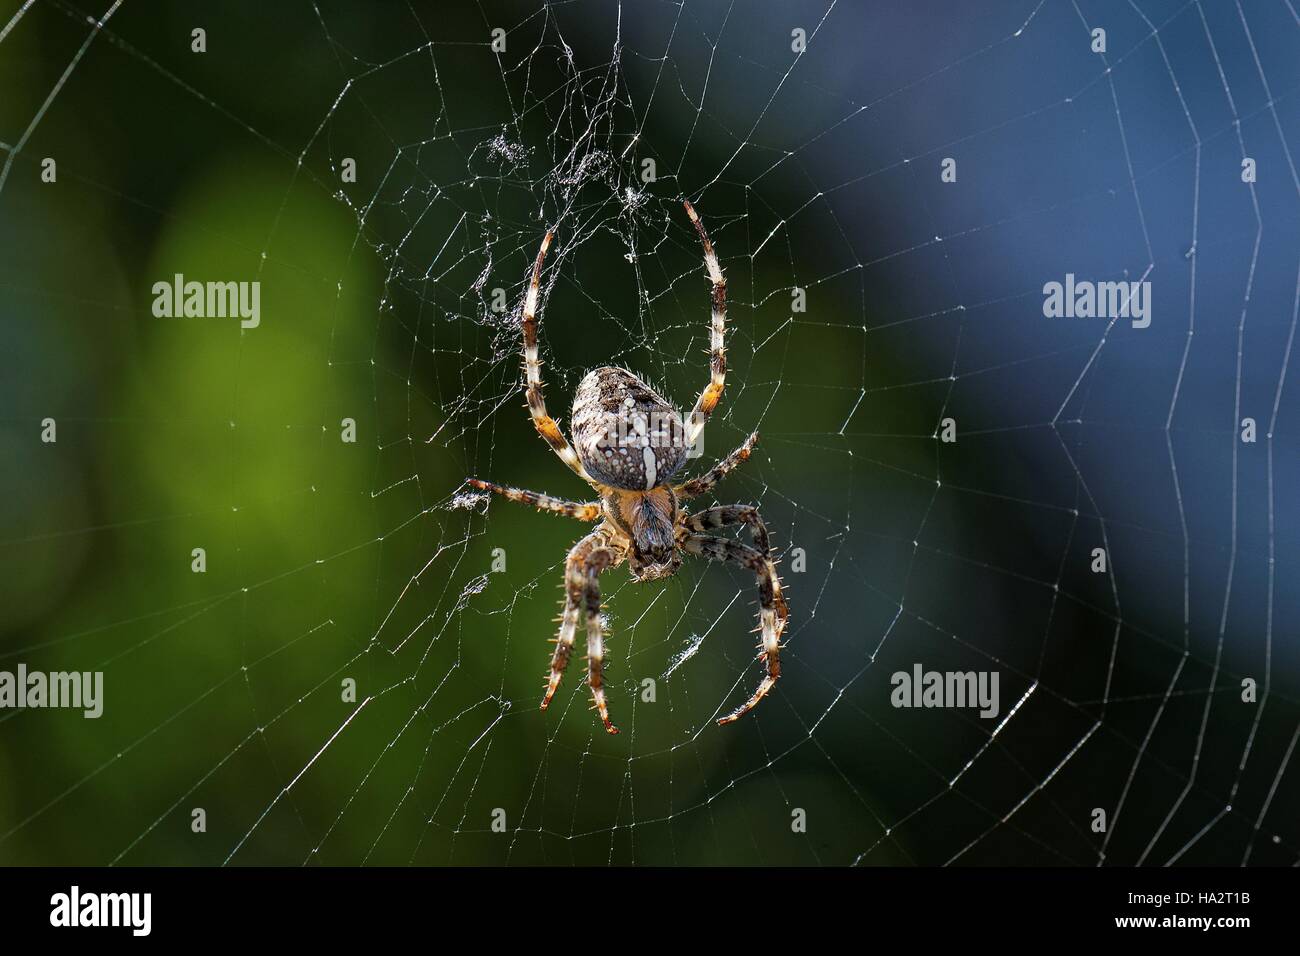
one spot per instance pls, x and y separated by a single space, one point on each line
335 905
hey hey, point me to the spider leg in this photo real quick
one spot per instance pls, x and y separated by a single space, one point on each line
575 581
596 636
722 516
698 486
582 510
708 400
544 423
586 560
773 611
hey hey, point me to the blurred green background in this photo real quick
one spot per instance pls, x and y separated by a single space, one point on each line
329 561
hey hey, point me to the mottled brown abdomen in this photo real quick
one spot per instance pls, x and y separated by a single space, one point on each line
625 433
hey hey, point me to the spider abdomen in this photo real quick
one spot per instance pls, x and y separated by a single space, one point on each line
625 433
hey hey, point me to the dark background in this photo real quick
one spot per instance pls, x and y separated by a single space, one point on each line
329 561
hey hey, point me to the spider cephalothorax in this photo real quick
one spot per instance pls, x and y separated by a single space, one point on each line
630 442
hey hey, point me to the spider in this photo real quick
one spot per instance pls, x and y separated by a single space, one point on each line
628 444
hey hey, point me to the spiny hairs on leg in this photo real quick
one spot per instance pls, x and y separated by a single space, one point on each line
773 610
575 566
544 423
582 510
563 645
698 486
723 516
712 393
596 652
586 560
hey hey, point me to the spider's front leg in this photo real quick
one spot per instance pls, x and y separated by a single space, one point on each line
712 393
590 556
546 426
773 611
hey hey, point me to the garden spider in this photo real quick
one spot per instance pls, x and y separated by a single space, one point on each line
629 443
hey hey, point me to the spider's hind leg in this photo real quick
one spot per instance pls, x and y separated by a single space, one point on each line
772 614
586 560
723 516
596 639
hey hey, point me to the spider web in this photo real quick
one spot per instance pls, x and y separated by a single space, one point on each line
818 173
